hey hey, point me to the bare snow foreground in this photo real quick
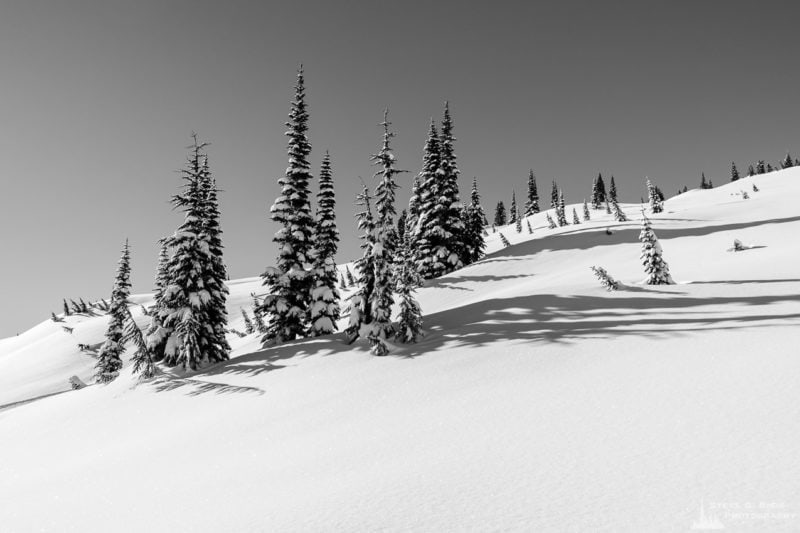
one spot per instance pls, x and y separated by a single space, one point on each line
536 402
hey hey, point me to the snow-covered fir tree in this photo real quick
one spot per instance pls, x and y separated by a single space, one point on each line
142 359
258 318
351 281
575 219
655 267
67 312
360 302
156 336
656 204
513 211
290 282
608 207
504 240
612 190
605 278
500 214
561 209
193 314
751 171
530 229
324 311
554 195
598 192
586 216
440 244
435 252
619 214
385 245
787 161
409 325
215 274
400 231
760 167
474 217
109 359
550 222
734 172
412 219
532 202
248 323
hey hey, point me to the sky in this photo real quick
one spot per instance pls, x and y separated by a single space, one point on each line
98 100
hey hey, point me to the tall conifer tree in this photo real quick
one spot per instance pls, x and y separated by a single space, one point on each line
109 360
290 282
324 311
513 212
215 275
157 335
561 209
385 244
656 204
360 306
450 221
474 226
500 214
193 313
612 190
532 203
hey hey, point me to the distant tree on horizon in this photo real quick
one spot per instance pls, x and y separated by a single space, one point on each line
474 217
532 203
561 209
513 212
656 203
500 214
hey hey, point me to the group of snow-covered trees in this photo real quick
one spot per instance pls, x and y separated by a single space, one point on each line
436 235
302 298
188 318
761 167
443 234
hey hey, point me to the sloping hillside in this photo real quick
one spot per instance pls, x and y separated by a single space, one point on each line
537 401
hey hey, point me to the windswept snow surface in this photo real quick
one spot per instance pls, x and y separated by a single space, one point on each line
536 402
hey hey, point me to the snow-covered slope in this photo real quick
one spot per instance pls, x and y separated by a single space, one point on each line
536 402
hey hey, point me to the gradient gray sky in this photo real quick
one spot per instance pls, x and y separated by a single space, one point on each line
98 98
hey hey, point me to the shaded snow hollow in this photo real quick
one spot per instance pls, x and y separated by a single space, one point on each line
536 402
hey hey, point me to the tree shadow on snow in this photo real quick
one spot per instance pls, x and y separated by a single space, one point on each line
196 387
452 282
743 281
565 319
542 318
622 233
